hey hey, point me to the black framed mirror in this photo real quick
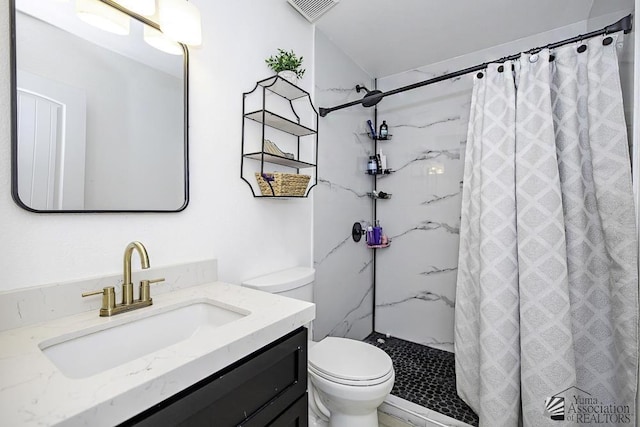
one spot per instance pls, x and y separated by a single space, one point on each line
99 120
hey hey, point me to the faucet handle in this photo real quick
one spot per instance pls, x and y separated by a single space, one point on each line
108 297
104 291
145 292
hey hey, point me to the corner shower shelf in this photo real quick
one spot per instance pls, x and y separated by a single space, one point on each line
386 245
379 196
376 138
384 172
268 118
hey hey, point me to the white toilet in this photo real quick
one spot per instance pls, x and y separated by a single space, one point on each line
348 379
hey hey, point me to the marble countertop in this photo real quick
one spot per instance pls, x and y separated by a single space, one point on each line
33 392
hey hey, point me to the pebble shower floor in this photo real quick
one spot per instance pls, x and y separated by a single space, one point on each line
425 376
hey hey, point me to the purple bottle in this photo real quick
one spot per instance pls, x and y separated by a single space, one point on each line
377 233
370 239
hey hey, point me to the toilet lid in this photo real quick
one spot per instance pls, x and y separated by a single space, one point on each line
349 359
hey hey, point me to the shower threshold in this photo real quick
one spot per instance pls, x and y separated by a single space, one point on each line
425 384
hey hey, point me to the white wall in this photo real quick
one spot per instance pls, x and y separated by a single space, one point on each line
248 236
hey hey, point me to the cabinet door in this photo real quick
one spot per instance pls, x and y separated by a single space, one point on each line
251 393
297 415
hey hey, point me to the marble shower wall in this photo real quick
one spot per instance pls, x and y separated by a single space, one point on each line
344 272
416 276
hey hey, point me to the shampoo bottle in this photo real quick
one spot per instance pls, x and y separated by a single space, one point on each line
384 130
372 166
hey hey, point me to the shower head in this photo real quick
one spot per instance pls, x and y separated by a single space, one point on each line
371 98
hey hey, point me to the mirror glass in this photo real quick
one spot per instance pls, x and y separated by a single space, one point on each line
99 118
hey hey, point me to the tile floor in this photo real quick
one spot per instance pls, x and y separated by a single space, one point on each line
424 376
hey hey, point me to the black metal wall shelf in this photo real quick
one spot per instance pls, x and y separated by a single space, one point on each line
279 86
279 160
278 122
305 133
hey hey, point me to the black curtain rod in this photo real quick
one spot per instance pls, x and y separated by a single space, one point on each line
625 24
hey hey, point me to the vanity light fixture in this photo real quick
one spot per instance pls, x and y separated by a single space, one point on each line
161 42
141 7
180 21
103 16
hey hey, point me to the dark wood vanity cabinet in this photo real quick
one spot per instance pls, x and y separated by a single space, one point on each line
266 388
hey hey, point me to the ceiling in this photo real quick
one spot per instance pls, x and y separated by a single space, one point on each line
390 36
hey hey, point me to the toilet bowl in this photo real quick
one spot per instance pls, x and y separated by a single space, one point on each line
348 379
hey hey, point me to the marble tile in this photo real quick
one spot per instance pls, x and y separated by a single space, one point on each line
27 306
344 274
416 276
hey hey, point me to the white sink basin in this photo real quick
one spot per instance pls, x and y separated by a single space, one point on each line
94 350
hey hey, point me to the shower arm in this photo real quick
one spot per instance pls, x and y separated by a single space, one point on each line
625 24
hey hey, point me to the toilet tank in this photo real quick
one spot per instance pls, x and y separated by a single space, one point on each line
296 282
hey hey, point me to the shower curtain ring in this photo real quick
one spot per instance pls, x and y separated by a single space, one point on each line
581 46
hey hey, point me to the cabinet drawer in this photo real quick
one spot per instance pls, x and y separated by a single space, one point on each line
252 392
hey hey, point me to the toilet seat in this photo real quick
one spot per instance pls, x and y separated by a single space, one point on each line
350 362
360 383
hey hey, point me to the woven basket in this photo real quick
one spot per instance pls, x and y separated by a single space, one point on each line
284 184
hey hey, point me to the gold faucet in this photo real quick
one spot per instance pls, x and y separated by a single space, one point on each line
109 306
127 286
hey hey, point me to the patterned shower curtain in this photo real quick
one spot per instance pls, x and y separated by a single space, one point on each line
546 317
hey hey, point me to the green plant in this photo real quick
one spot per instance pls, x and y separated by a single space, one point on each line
286 61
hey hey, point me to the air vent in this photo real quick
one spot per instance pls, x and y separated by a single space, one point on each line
312 9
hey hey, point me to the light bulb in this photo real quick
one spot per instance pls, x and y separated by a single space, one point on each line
103 16
158 40
180 21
